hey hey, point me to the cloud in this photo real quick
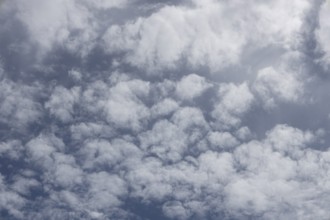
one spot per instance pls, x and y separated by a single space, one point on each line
191 86
323 31
65 24
222 140
11 149
271 85
61 103
124 107
164 107
211 33
59 20
162 110
234 101
18 106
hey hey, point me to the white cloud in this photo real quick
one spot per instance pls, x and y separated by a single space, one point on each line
58 168
12 149
105 190
165 140
62 101
234 101
260 167
188 118
17 105
82 131
222 140
10 201
164 107
41 149
219 166
74 25
124 107
128 128
288 140
97 154
175 210
278 85
121 104
75 75
23 185
244 133
191 86
54 23
65 172
210 33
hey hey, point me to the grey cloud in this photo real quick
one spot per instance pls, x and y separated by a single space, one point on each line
323 31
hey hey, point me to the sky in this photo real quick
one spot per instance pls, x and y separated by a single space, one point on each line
164 110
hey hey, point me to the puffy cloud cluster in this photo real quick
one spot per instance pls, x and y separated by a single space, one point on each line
18 106
282 83
235 100
159 110
210 33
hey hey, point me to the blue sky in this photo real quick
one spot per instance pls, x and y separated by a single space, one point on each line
116 109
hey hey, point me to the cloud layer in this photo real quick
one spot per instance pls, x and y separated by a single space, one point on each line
159 110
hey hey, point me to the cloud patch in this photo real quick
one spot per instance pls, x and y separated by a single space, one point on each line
161 110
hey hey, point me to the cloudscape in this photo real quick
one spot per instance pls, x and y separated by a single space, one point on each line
164 110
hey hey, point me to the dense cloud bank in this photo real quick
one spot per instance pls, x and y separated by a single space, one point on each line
194 109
